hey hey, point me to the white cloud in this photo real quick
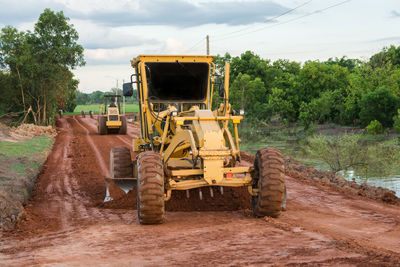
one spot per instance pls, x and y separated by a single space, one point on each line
174 46
94 36
93 6
121 55
181 13
102 77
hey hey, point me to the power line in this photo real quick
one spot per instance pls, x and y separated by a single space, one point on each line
291 20
274 18
196 44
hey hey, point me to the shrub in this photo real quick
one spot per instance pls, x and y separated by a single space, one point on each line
374 127
396 122
380 105
352 152
307 115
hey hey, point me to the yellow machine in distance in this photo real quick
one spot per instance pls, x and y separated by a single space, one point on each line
110 119
184 144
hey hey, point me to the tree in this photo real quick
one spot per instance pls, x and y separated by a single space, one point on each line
40 63
82 98
348 63
380 105
387 55
249 94
280 103
316 77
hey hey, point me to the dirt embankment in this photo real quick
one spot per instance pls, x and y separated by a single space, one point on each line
20 163
336 182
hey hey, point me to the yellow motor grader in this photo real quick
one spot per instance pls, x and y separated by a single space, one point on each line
184 144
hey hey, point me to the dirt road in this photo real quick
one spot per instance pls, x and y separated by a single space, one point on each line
68 224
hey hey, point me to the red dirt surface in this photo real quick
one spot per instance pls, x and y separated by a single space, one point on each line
68 224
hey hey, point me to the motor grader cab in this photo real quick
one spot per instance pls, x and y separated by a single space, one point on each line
110 119
184 144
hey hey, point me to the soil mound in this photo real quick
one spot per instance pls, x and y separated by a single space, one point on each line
31 130
25 131
230 199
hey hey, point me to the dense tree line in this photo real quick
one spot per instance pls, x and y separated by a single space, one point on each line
35 68
97 97
341 90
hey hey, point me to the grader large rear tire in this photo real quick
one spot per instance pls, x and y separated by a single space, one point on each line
269 178
150 188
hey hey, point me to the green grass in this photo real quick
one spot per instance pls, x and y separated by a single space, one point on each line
20 162
28 148
129 108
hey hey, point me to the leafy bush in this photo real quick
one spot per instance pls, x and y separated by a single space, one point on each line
375 127
352 152
380 105
308 114
396 122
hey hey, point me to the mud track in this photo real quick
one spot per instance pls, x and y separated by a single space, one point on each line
68 224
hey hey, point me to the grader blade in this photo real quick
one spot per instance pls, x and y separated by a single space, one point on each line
125 184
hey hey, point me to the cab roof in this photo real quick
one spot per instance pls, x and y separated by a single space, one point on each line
171 58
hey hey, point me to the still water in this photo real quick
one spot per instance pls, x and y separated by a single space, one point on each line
295 150
391 182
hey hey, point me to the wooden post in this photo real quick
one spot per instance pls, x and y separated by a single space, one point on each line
208 44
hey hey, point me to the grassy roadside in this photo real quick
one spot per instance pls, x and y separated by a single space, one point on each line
129 108
20 163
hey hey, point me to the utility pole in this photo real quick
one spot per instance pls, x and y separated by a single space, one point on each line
208 44
123 97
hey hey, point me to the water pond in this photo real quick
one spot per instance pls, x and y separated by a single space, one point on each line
294 149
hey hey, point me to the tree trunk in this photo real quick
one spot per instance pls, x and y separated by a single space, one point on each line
44 109
22 88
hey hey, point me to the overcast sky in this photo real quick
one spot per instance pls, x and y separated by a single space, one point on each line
113 32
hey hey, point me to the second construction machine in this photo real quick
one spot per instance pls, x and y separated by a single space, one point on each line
184 144
110 118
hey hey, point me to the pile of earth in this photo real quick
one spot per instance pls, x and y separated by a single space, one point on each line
31 130
25 131
228 199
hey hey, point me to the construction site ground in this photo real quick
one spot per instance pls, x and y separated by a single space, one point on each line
67 222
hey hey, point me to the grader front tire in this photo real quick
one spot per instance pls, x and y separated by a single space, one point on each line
120 162
269 179
150 188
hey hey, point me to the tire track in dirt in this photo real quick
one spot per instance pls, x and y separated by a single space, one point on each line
363 222
99 157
